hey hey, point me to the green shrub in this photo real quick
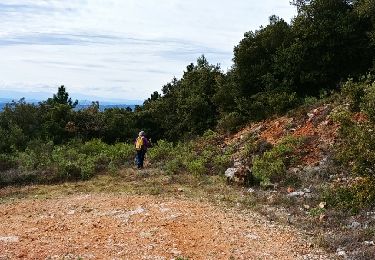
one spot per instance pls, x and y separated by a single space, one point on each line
7 162
267 168
173 166
120 154
207 141
11 139
75 160
197 167
250 147
66 160
308 101
272 165
161 151
230 123
355 148
200 156
93 147
221 162
87 166
267 103
353 197
37 156
354 93
368 102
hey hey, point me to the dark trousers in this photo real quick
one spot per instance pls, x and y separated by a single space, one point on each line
140 158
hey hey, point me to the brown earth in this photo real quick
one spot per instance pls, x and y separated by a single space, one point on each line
119 226
316 126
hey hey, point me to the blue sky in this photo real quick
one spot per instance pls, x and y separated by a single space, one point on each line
118 49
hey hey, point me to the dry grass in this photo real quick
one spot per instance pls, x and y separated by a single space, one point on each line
134 182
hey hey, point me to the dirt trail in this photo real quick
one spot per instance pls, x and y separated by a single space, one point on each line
104 226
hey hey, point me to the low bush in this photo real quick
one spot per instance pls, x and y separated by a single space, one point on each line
7 162
37 156
199 157
230 123
271 166
353 197
355 148
46 162
161 151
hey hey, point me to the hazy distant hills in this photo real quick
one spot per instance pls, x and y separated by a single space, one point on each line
83 100
82 104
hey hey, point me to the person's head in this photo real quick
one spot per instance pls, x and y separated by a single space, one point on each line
141 133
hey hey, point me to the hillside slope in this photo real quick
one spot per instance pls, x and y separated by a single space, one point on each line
294 158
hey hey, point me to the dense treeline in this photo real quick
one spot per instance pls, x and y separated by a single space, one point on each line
56 120
274 69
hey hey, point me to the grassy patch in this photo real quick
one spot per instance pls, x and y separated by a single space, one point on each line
133 182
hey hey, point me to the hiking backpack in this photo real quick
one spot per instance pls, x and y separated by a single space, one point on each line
139 143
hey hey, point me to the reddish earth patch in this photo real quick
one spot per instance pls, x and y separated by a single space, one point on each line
316 126
275 129
130 227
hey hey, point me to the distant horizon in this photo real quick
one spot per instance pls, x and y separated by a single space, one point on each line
41 96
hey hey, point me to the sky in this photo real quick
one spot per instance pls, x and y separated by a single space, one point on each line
118 50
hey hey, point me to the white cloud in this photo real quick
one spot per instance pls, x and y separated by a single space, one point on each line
131 46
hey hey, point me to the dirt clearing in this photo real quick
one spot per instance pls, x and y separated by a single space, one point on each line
103 226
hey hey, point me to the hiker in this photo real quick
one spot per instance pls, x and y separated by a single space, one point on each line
141 145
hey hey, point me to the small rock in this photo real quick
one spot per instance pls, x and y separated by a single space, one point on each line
180 190
289 219
294 170
306 206
355 225
250 190
341 252
322 204
369 243
306 190
252 236
145 234
10 239
230 172
296 194
71 212
237 164
258 129
310 115
271 199
175 252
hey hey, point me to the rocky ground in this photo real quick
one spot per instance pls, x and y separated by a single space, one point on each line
121 226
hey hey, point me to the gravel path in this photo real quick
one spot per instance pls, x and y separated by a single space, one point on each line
141 227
